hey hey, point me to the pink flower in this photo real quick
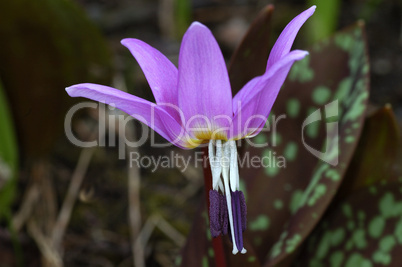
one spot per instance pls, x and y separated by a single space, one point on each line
194 105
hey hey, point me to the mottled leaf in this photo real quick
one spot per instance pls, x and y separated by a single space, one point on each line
368 208
324 101
363 230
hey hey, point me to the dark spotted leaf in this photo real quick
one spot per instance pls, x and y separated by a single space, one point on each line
319 114
363 230
369 210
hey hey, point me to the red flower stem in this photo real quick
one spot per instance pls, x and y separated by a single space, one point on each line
217 243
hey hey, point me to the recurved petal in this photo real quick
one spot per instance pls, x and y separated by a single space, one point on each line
160 72
147 112
204 87
257 84
285 41
257 97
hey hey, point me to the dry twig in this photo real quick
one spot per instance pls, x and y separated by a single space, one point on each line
63 218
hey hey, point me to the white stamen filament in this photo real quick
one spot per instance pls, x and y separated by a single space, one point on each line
230 214
223 162
214 161
234 171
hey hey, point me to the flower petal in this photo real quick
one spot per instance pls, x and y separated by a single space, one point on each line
285 41
246 92
256 98
204 87
147 112
159 71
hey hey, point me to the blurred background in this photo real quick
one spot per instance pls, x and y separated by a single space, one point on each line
61 204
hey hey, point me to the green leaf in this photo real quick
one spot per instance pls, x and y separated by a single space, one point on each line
183 16
325 19
8 156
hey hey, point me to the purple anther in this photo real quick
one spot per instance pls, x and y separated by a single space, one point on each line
224 217
218 214
243 211
214 218
239 217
